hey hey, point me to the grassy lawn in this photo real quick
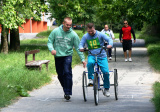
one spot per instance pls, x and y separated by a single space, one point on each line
13 73
16 78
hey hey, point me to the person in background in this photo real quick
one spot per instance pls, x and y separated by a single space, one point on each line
95 40
109 33
126 41
60 43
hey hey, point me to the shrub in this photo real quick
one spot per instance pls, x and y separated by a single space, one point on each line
154 49
156 98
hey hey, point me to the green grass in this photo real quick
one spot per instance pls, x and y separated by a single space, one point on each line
44 34
13 72
156 98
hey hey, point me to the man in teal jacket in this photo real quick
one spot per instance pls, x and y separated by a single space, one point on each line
60 43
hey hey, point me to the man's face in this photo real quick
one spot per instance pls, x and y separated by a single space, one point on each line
106 27
67 25
91 31
125 23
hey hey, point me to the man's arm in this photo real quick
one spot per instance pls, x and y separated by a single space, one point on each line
108 39
50 43
76 45
112 35
82 43
132 31
120 36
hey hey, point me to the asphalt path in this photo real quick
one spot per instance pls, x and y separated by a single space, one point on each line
135 90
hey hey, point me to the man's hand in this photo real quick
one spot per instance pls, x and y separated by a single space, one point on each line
134 41
53 52
82 50
84 64
109 46
113 38
121 41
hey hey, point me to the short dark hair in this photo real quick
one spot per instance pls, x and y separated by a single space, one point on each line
67 18
90 25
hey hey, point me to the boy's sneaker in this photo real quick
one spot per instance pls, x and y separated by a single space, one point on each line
90 82
126 60
106 92
130 59
110 58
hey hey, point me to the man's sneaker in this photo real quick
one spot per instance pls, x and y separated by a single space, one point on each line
110 58
106 92
67 97
90 82
130 59
126 60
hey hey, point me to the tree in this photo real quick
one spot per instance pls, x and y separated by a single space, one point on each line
79 10
14 13
112 12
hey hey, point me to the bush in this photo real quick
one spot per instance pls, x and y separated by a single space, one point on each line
156 98
154 49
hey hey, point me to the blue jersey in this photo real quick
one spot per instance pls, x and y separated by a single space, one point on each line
101 37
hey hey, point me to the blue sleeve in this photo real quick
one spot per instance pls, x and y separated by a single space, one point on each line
108 39
82 42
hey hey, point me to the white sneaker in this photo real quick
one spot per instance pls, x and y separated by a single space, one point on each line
106 93
126 60
110 58
90 82
130 59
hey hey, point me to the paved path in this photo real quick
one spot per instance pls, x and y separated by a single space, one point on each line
135 82
23 36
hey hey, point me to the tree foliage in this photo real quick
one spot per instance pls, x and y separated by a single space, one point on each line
79 10
14 13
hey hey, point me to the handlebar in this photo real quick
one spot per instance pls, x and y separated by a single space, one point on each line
103 47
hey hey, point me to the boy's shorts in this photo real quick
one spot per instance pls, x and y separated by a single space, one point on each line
127 45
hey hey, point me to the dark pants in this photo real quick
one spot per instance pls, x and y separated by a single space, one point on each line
64 71
127 45
110 52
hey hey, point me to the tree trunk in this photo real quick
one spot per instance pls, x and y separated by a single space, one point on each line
14 40
111 25
4 42
84 25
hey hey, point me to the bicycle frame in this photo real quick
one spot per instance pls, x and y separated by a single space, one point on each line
97 70
96 66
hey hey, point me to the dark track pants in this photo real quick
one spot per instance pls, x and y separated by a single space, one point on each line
64 71
110 52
